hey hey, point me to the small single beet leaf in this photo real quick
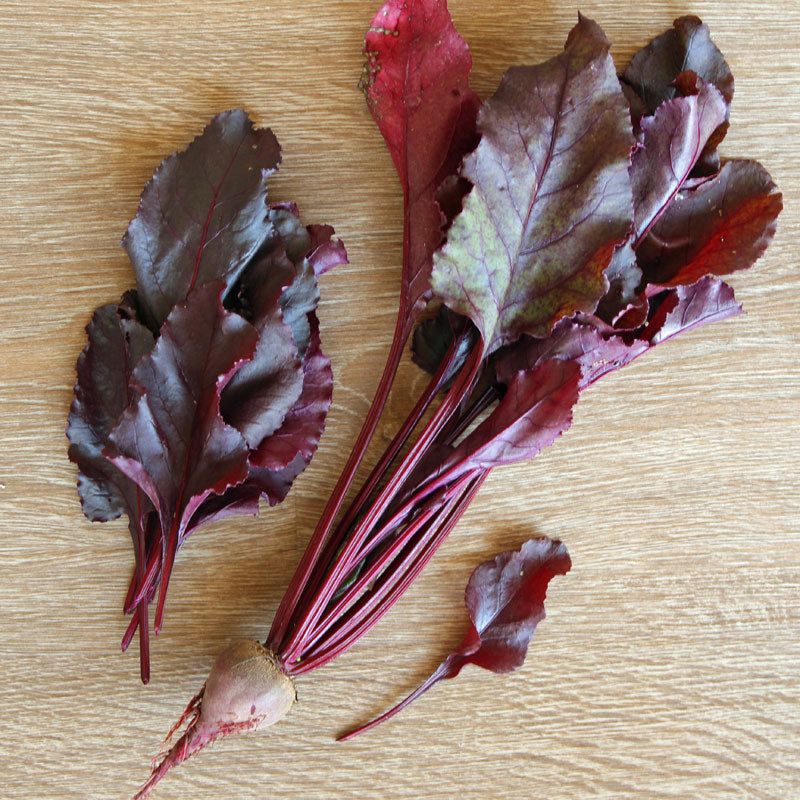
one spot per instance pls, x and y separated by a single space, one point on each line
202 216
416 81
172 441
551 196
723 225
505 600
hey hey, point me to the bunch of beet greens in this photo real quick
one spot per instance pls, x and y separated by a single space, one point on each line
565 226
205 388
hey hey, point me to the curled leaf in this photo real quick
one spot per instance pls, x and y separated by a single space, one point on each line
672 141
653 71
302 427
116 345
535 410
722 225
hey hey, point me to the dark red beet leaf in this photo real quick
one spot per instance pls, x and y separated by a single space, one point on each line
172 441
662 70
117 342
263 390
302 427
505 600
102 393
203 215
672 142
535 410
551 195
723 225
688 46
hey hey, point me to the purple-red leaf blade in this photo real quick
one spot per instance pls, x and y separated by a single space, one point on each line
687 307
203 215
551 195
260 394
505 600
173 441
535 410
672 141
304 424
581 342
102 392
723 225
688 46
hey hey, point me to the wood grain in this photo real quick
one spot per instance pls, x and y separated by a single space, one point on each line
668 666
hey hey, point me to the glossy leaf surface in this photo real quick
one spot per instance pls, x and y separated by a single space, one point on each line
202 216
687 46
116 345
723 225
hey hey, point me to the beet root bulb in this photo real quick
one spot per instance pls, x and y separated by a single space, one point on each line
247 690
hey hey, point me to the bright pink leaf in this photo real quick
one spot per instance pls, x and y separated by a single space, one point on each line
416 81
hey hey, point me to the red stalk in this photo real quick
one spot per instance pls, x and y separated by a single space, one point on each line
341 531
148 578
166 571
315 546
338 616
295 642
420 690
394 582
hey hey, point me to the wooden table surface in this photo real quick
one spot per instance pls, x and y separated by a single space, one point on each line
669 665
